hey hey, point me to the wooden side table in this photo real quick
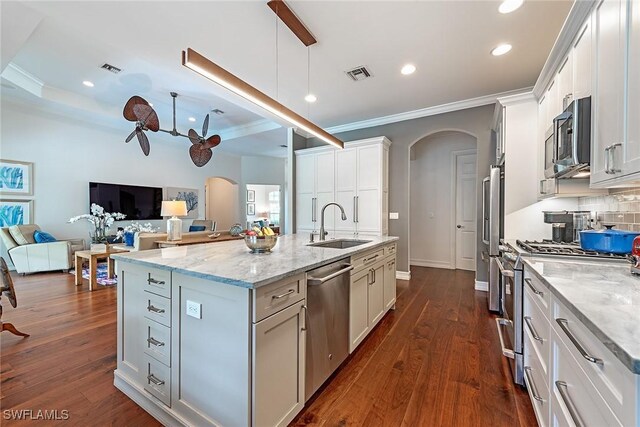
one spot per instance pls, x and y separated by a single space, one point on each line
93 257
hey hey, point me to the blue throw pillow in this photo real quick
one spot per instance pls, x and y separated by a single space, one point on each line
196 228
42 237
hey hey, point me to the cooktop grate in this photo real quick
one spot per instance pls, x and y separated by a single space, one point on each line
549 247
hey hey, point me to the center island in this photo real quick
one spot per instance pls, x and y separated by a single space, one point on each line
215 335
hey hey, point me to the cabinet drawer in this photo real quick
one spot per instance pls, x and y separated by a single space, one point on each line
612 380
157 308
536 381
539 292
157 380
576 395
390 249
366 260
158 282
157 341
270 299
537 329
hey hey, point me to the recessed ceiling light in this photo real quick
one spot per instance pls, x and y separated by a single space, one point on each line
508 6
192 119
408 69
310 98
87 83
501 49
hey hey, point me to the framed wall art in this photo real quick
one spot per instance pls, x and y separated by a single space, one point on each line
251 208
251 196
16 178
189 195
16 212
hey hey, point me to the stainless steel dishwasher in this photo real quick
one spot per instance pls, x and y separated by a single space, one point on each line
327 322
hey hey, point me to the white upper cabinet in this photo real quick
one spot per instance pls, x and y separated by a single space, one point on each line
355 177
632 151
565 85
581 61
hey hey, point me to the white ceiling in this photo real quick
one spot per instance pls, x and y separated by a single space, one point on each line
448 41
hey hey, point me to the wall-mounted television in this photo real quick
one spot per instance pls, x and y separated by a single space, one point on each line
137 203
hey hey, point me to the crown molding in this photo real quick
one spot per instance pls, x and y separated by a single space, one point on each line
518 98
425 112
247 129
23 79
570 29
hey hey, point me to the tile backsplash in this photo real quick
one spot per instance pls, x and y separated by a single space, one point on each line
621 208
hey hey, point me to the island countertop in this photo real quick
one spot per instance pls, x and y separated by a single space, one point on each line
602 295
232 263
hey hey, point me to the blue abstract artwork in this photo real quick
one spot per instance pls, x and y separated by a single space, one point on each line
15 212
15 178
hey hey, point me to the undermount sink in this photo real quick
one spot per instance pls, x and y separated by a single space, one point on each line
340 243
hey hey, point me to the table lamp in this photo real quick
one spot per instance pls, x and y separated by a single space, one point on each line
174 209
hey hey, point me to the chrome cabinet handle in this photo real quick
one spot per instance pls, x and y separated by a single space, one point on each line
366 260
304 328
564 324
391 264
155 380
505 351
289 292
606 160
313 209
355 209
155 309
153 281
155 342
505 273
532 385
533 288
566 399
542 181
612 153
536 337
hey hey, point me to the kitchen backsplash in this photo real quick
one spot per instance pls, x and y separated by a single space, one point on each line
621 207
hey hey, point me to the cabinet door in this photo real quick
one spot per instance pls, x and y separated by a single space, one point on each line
369 212
131 330
389 283
632 151
358 315
305 173
542 130
608 90
369 168
565 83
582 63
346 178
305 212
554 107
376 295
278 377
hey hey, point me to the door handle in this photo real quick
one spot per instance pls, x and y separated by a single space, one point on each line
573 411
503 272
534 389
321 280
564 324
155 309
355 208
155 342
612 153
154 380
505 351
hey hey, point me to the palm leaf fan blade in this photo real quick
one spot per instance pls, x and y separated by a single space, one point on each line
199 155
128 112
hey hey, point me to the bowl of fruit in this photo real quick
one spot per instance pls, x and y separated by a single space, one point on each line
260 240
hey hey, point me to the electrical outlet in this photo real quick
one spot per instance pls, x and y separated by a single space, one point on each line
394 215
194 309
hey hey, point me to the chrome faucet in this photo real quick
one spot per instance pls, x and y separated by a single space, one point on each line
323 233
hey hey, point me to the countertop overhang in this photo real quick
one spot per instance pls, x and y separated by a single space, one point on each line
232 263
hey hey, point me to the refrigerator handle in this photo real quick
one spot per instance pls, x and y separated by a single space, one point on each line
485 214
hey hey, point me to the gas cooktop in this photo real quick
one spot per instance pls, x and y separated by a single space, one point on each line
548 247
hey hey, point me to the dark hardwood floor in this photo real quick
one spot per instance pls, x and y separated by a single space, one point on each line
434 361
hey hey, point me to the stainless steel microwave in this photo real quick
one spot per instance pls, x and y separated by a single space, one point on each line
572 140
550 167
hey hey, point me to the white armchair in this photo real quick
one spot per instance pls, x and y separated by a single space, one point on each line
30 257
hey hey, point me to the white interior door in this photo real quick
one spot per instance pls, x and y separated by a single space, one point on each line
466 212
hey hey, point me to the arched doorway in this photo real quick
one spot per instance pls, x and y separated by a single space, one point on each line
223 202
443 200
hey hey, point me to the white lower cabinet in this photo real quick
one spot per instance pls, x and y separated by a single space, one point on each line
358 308
571 377
390 282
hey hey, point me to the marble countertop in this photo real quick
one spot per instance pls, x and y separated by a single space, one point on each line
602 295
231 262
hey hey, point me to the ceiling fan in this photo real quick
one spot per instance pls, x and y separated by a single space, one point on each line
138 110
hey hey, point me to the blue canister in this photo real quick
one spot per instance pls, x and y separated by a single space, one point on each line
128 238
608 240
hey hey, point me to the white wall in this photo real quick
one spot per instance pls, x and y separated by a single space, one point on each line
68 154
430 203
223 203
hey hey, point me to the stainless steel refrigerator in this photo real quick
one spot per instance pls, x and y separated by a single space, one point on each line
493 230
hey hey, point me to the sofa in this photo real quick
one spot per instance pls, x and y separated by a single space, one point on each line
28 256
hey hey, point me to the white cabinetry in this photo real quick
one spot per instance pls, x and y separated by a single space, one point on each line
315 179
565 84
355 177
581 53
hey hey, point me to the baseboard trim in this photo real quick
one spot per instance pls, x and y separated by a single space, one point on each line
403 275
482 286
432 264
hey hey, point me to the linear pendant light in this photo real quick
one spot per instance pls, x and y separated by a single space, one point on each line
201 65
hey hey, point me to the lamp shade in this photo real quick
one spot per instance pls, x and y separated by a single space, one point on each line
174 208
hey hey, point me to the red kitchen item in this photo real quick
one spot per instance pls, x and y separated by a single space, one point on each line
635 255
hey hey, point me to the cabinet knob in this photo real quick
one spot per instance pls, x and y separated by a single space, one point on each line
459 226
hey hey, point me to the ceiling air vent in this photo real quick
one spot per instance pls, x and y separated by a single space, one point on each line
358 73
109 67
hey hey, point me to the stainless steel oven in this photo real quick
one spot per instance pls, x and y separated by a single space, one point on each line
510 325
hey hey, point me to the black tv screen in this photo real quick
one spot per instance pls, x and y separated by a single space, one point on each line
137 203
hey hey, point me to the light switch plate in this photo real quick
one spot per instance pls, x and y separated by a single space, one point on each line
394 215
194 309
